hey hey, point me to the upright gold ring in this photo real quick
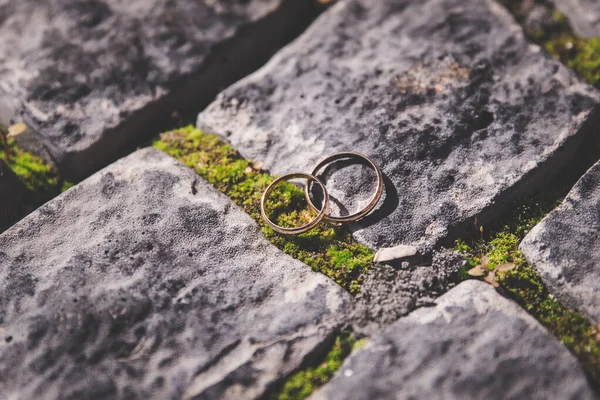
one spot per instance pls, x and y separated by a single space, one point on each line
300 229
372 203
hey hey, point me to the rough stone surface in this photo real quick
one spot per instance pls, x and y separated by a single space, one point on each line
143 281
93 75
583 15
473 344
564 248
461 112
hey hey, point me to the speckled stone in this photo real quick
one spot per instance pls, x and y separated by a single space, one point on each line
144 282
92 76
461 112
474 344
564 248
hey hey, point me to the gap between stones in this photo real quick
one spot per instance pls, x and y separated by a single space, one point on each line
328 249
523 284
301 384
332 251
551 31
39 180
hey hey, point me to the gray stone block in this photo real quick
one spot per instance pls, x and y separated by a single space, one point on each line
473 344
461 112
144 282
92 76
564 248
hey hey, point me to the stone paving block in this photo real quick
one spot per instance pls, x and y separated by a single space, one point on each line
461 112
144 282
564 248
583 15
473 344
91 76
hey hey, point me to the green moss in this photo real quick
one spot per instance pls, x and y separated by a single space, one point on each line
557 38
40 180
328 249
526 287
304 382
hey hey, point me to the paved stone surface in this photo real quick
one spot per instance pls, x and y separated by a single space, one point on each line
93 75
564 248
583 15
473 344
458 109
143 281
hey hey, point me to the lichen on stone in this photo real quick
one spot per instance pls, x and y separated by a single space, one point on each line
329 249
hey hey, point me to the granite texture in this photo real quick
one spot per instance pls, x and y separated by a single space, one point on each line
92 76
564 248
474 344
460 111
144 282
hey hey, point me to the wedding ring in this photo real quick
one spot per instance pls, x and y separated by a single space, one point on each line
361 213
300 229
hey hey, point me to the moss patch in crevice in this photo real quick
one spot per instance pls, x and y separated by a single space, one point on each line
549 28
304 382
525 286
329 249
40 180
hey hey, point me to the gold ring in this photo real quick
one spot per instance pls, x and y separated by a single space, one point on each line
303 228
361 213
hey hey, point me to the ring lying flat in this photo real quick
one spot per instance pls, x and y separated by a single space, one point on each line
361 213
300 229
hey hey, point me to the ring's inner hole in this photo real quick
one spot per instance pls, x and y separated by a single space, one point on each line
351 184
286 205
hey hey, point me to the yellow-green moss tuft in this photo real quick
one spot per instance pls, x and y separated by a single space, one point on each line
40 180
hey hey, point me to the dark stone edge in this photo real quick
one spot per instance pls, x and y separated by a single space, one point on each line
543 174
